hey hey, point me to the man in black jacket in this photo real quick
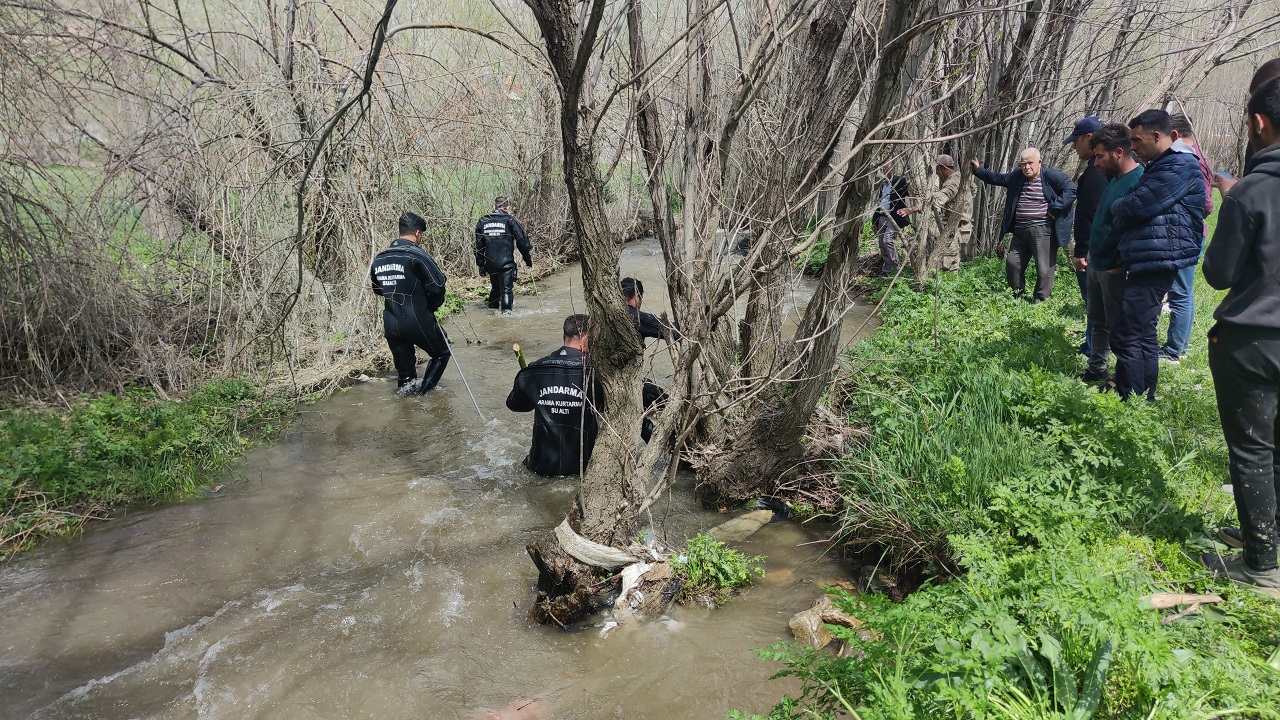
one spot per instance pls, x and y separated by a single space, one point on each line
887 220
1038 211
563 396
1244 344
1160 226
498 235
412 287
1089 188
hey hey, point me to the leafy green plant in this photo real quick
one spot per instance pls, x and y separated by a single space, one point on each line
710 571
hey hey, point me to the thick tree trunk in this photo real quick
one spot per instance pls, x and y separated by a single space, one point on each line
613 486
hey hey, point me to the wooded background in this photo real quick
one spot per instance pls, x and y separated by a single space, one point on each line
153 151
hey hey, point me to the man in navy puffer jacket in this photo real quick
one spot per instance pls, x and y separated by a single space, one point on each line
1161 228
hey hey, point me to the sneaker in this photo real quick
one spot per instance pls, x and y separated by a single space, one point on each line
1170 360
1090 376
1236 569
1231 536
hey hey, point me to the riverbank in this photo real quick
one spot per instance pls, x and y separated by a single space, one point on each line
61 468
1041 513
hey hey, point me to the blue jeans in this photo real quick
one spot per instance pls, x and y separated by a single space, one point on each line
1182 306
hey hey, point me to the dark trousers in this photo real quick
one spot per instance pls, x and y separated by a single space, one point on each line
1029 242
404 356
502 288
1245 363
1134 340
1105 303
1082 279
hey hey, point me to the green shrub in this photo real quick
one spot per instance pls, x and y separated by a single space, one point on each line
710 571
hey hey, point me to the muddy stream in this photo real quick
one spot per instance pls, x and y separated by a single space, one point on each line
371 564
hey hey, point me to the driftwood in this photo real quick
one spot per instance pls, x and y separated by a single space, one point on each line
589 552
1164 601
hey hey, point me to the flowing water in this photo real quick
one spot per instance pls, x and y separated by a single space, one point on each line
372 564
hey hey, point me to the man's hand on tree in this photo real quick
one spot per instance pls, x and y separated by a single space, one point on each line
975 163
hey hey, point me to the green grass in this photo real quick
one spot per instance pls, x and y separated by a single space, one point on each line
1042 511
59 469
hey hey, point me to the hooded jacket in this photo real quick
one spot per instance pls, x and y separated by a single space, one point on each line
1059 192
1244 256
497 237
412 287
563 397
1161 223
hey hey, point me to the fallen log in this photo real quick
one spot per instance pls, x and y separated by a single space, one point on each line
1164 601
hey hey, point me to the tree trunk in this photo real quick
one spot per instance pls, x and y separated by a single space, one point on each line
766 445
613 486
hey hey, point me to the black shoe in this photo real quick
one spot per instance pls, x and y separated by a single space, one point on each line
1083 348
1090 376
1231 537
431 376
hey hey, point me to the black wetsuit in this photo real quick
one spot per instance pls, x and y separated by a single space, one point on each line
649 326
411 284
563 433
498 235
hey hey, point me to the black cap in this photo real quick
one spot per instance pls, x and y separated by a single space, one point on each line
1086 126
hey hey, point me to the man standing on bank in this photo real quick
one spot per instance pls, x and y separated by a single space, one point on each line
1104 299
563 397
412 287
952 210
1089 187
1161 230
1244 344
1038 211
887 220
498 235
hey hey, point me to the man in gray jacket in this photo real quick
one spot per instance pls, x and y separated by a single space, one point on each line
1244 344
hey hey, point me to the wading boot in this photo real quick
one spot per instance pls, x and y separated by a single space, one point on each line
407 387
507 301
431 376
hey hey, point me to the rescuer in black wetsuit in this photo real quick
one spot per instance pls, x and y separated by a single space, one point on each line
647 324
411 284
498 235
563 397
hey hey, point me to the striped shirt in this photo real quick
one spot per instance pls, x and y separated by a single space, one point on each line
1032 208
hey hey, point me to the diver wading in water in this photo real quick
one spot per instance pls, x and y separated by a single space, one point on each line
412 288
498 235
558 389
